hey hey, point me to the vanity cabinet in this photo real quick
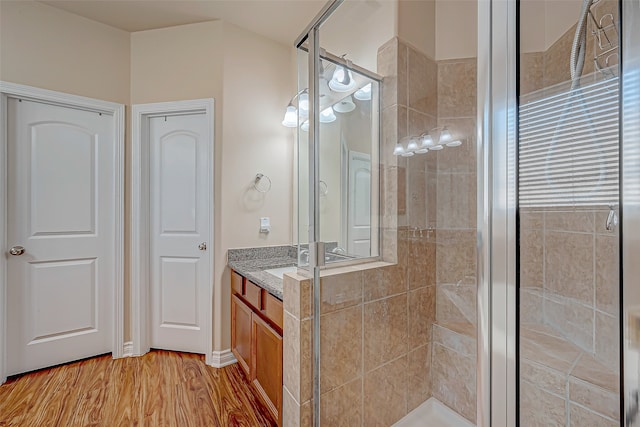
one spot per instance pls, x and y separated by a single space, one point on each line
256 339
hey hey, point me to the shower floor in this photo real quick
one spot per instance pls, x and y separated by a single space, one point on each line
432 413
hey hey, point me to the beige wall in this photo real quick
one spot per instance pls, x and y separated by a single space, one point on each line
257 86
249 77
358 28
41 46
417 23
456 29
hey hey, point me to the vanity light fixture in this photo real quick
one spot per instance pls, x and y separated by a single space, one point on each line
426 142
327 115
342 80
290 117
364 93
345 106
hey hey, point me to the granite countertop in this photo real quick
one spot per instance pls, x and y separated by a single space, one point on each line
252 263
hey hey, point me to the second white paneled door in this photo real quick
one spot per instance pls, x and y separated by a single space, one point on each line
180 193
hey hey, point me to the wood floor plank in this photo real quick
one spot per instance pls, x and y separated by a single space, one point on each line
161 388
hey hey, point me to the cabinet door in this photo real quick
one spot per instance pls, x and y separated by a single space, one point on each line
267 347
241 316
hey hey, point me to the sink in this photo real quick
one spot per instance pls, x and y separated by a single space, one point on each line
279 272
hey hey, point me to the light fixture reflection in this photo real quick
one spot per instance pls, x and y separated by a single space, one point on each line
327 115
342 80
345 106
303 103
398 150
290 117
455 143
305 126
445 135
364 93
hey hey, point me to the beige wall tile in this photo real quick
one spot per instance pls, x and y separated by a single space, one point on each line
454 340
457 88
423 82
342 406
340 291
531 305
573 320
607 340
556 65
291 347
539 408
598 373
454 380
385 331
422 314
456 205
340 347
385 394
297 297
420 123
421 261
595 398
416 198
607 273
462 159
531 71
456 303
388 68
418 376
531 220
581 417
543 377
384 282
291 413
569 265
580 221
531 258
547 350
403 74
456 256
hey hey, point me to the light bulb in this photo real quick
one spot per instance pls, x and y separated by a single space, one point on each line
303 103
327 115
305 126
364 93
412 145
445 135
342 80
290 117
427 141
436 147
398 150
345 106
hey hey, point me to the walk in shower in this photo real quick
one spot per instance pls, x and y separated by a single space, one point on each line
461 201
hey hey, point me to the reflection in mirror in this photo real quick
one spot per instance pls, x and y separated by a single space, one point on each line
349 142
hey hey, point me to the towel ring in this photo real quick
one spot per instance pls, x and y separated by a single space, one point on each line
262 183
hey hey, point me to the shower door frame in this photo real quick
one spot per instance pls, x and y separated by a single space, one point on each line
497 220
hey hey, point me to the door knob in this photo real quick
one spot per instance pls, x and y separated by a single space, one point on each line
202 246
16 250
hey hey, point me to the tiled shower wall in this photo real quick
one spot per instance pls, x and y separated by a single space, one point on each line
382 354
569 287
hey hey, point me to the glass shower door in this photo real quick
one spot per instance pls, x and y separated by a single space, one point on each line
568 206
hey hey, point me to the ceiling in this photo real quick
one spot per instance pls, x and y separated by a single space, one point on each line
279 20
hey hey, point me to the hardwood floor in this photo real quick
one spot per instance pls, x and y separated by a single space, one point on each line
161 388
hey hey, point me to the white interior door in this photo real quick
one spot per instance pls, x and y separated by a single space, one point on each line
180 221
359 222
61 189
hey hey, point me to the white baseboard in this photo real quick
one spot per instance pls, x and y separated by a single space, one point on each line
220 359
128 349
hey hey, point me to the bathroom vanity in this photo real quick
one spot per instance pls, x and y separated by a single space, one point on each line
257 318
